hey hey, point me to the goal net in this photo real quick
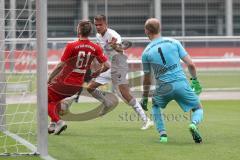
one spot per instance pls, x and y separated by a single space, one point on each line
18 103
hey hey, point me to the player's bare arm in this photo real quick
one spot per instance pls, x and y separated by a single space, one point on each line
104 67
56 71
191 67
195 84
120 47
146 84
116 46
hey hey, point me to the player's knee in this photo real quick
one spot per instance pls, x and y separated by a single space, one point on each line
90 89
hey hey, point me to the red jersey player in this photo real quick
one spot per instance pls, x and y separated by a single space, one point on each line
67 78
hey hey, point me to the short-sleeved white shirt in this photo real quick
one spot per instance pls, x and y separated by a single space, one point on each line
105 39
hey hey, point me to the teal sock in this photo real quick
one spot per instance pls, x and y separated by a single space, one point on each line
197 116
158 118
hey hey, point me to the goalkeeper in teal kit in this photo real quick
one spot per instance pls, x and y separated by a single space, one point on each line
162 58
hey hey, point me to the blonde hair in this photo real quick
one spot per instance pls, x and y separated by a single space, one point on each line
152 25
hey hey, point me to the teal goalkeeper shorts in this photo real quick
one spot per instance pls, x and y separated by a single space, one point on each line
179 91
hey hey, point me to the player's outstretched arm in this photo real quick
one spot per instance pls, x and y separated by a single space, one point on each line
195 84
120 47
116 46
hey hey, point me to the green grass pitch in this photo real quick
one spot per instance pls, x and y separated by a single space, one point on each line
117 136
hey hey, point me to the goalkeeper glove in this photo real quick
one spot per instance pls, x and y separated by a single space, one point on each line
144 102
195 85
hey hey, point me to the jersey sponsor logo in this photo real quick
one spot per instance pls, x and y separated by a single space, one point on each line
161 69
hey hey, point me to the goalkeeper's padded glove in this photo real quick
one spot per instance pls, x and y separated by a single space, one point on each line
144 102
195 85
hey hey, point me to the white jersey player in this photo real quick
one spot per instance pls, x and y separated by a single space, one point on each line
109 41
118 60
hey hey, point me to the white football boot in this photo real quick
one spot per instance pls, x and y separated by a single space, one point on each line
51 127
60 126
147 124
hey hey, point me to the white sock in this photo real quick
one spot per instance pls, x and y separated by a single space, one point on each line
138 109
98 94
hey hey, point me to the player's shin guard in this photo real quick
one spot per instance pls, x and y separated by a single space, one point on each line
197 116
138 109
53 112
158 119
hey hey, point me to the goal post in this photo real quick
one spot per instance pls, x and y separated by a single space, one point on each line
23 124
42 70
2 67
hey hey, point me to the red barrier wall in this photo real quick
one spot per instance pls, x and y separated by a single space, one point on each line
26 60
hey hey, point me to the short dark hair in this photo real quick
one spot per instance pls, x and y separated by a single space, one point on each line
84 28
100 17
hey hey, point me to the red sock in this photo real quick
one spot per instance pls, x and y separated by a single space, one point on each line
53 112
